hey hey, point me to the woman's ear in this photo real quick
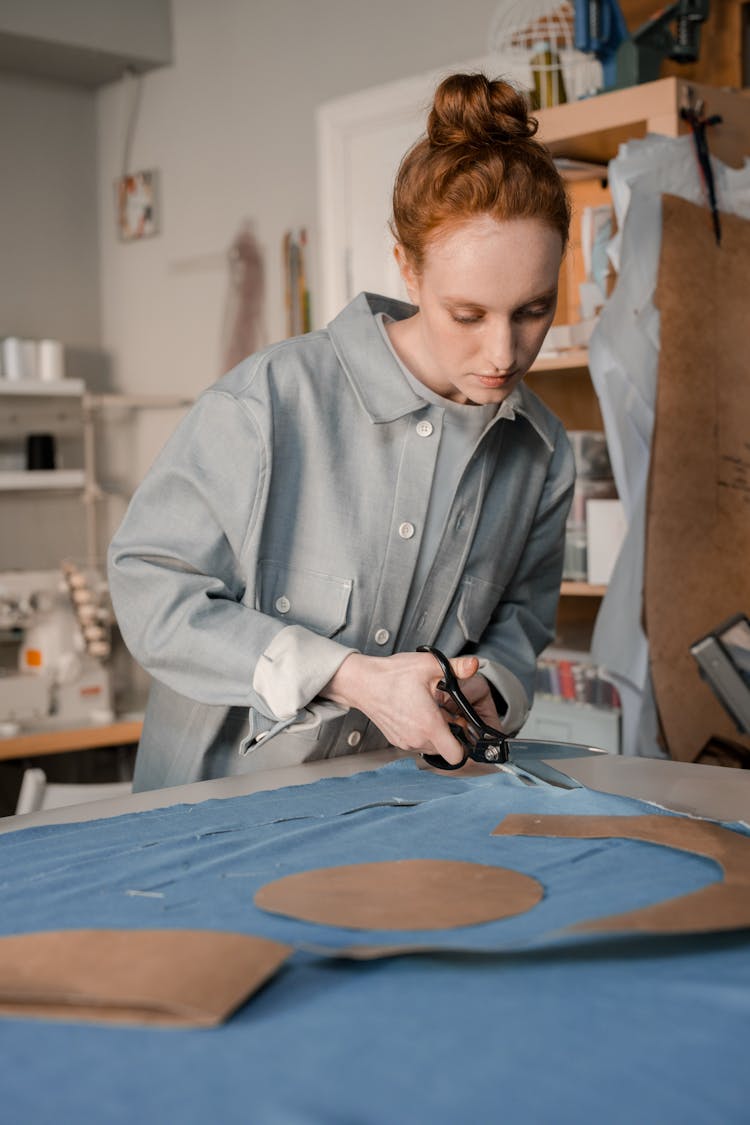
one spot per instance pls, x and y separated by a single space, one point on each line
407 271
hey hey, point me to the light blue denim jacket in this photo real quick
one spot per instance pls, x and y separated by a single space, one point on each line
271 527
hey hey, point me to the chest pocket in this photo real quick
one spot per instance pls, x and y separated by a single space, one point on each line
477 601
303 597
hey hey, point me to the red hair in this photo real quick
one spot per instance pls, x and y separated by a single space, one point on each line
478 157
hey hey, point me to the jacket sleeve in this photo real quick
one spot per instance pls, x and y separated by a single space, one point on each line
183 604
524 621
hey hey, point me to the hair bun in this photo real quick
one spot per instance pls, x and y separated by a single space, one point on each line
470 109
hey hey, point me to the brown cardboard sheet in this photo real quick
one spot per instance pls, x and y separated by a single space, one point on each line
724 905
172 978
697 563
404 894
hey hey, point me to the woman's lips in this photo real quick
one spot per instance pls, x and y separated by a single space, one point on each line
496 380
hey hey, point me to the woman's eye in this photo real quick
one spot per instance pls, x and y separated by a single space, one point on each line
466 319
534 313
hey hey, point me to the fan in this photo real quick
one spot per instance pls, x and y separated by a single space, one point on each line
532 42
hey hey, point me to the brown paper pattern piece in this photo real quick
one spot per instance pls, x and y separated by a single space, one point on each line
405 894
698 522
172 978
720 906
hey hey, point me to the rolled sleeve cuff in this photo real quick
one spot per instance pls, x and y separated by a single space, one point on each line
294 667
512 691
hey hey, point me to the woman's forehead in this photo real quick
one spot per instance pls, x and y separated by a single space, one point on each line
484 254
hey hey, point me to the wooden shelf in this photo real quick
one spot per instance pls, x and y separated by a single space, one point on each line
594 128
37 388
137 402
30 744
42 480
573 359
581 590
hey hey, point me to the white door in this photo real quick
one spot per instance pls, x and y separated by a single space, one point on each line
361 140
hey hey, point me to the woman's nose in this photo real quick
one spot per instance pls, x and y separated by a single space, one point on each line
502 348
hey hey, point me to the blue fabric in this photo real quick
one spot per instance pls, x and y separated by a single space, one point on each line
530 1025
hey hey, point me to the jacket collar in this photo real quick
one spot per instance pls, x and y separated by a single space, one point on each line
371 369
378 381
530 407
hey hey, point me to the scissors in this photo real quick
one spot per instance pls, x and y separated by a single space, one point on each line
480 741
483 743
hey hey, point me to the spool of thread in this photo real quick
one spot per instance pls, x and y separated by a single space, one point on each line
50 361
40 451
549 88
30 359
13 359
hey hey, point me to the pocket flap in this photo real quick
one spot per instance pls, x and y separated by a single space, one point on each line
477 602
303 597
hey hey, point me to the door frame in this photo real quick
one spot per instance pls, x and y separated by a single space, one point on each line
337 121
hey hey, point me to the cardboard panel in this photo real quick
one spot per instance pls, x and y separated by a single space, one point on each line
173 978
405 894
697 566
720 906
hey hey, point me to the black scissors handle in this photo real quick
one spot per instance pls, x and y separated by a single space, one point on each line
489 745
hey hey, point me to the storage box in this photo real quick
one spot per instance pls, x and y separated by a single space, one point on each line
605 531
577 723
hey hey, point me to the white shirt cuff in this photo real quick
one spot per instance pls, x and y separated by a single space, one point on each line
294 667
512 691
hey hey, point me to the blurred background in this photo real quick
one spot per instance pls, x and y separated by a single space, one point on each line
183 183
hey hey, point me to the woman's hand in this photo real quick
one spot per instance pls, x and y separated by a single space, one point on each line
399 694
477 691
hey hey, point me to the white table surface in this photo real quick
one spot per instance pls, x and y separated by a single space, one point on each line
710 791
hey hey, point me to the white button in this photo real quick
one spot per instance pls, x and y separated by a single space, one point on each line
406 530
354 738
424 428
382 637
283 604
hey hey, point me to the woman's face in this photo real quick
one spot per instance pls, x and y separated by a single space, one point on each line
487 294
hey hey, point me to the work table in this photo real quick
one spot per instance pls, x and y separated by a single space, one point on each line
517 1020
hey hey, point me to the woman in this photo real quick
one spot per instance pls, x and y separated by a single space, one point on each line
341 498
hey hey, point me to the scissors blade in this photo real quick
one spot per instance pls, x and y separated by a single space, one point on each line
521 774
538 747
536 757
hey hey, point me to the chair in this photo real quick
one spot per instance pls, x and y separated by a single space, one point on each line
37 793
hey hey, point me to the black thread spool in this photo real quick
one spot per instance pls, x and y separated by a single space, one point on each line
40 451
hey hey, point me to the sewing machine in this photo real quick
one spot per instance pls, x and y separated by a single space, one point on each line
54 645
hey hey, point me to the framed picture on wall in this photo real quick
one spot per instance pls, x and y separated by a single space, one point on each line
136 198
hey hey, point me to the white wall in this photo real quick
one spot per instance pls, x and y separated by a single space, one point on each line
49 279
231 127
137 28
49 274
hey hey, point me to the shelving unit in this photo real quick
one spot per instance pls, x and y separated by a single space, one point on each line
65 407
581 590
575 359
36 406
93 406
42 480
37 388
592 130
72 415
